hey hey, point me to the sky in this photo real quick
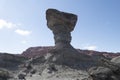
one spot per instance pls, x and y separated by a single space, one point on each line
23 24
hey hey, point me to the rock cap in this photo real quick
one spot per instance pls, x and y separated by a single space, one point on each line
60 19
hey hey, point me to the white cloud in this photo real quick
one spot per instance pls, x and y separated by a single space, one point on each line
91 47
6 24
24 42
23 32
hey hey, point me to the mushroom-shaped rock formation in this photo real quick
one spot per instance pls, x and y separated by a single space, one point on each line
62 24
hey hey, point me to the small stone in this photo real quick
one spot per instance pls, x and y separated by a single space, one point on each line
33 71
21 76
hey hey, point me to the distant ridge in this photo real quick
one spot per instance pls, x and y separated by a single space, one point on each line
42 50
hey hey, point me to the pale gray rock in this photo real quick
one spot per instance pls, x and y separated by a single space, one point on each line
116 60
100 73
109 71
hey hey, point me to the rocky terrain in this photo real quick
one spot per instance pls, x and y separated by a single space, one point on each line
10 61
14 65
62 61
43 50
36 68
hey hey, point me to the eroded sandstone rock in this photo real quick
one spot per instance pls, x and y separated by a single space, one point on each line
62 24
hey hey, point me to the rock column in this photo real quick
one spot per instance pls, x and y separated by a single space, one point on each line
61 24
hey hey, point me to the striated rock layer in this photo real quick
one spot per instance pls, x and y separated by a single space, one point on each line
43 50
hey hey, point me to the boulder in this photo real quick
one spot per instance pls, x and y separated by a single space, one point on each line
109 71
100 73
4 74
116 60
21 76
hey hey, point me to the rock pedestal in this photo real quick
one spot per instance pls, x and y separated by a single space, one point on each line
62 24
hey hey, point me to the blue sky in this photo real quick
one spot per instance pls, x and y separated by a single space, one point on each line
23 24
